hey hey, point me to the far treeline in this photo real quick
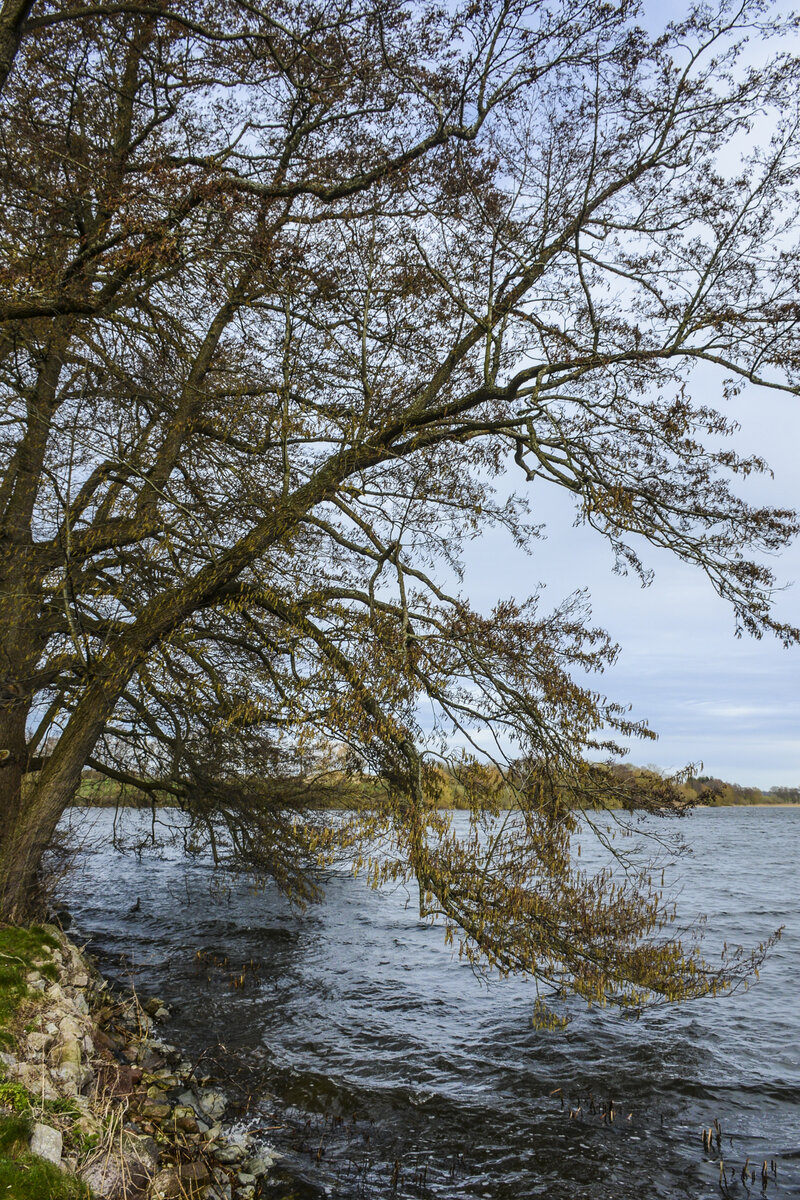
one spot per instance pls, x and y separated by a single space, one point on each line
338 790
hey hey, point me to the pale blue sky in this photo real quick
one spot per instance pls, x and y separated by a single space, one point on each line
732 704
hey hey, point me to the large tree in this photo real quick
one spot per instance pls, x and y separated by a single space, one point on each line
286 288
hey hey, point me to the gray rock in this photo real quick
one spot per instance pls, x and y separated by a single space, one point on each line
79 1003
235 1152
125 1176
71 1027
245 1179
261 1163
36 1079
213 1103
216 1191
46 1142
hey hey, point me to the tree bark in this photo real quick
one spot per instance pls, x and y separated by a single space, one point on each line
12 17
37 817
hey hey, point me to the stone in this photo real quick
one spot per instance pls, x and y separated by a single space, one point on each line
70 1052
149 1059
260 1164
8 1060
173 1182
80 980
246 1179
88 1125
184 1118
32 977
216 1191
71 1027
234 1152
37 1043
213 1103
194 1173
221 1188
166 1185
80 1003
46 1142
155 1110
125 1175
70 1078
36 1079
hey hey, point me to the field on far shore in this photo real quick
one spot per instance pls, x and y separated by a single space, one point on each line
342 792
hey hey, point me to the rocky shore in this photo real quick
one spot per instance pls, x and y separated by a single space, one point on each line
112 1102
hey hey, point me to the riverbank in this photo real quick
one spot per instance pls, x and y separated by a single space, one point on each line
94 1102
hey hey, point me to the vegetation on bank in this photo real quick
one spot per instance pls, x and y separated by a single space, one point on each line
340 791
25 1176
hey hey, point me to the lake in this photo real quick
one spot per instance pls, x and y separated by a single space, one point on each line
381 1066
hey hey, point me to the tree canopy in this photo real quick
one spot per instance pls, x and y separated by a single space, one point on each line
287 289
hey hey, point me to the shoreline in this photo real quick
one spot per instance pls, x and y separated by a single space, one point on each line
107 1100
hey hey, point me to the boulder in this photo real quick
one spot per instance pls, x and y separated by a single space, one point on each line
70 1052
36 1079
80 1004
71 1027
234 1152
124 1175
184 1118
261 1163
46 1142
155 1110
37 1043
213 1103
176 1183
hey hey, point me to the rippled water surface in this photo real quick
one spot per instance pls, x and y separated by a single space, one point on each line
381 1066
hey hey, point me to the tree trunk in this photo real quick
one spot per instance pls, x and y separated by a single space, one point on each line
38 812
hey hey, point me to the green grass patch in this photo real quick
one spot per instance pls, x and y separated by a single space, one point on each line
25 1177
15 1132
20 952
30 1178
14 1096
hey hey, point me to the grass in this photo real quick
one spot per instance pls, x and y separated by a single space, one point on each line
21 951
29 1178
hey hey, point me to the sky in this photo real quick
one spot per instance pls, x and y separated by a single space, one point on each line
732 705
729 705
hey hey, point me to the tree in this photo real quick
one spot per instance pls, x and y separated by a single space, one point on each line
286 288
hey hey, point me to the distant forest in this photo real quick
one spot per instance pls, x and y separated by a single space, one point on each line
338 790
